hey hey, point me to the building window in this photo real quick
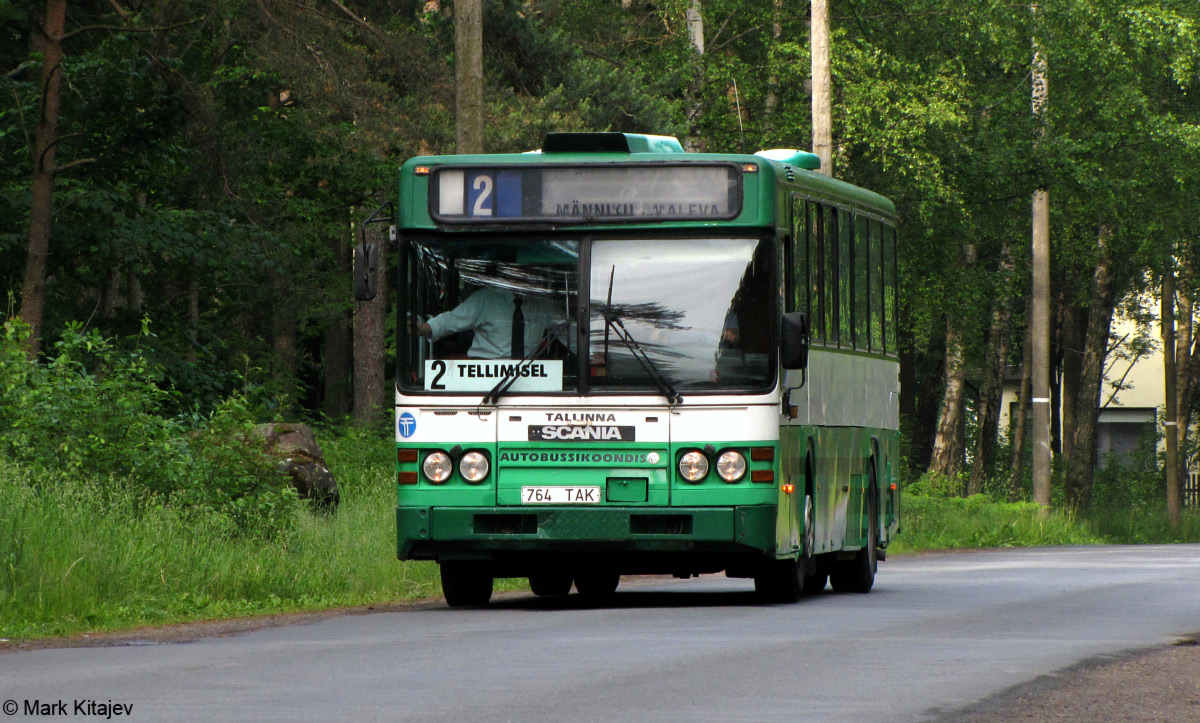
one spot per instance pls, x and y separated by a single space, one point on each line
1121 432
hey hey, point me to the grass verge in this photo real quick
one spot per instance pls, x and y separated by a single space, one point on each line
941 523
93 557
90 557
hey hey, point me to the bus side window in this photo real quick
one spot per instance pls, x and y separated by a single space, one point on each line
816 276
751 302
798 287
829 292
845 284
889 289
862 290
876 287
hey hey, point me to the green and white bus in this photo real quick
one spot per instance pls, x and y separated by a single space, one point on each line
704 377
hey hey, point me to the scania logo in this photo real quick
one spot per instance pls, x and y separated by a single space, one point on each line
580 433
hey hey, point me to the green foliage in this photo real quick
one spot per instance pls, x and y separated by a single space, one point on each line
1127 506
931 484
1134 483
209 169
91 412
940 523
95 557
977 521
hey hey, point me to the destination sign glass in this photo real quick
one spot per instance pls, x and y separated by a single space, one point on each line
586 194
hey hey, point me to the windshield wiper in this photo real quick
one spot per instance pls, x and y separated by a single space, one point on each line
613 322
512 373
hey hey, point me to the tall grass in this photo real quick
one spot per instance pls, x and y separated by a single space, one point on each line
1127 508
940 523
93 557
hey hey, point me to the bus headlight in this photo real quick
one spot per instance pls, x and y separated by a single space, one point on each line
473 466
437 467
731 466
693 466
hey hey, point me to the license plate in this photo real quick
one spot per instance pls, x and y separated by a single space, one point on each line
560 495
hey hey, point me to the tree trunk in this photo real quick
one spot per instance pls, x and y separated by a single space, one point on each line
921 377
1187 359
1074 338
772 102
1018 426
1040 241
1040 395
822 87
370 318
1170 379
41 210
692 105
135 296
1081 463
283 334
193 302
339 351
110 292
468 75
992 389
946 451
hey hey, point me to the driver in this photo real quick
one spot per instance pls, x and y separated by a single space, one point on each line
506 325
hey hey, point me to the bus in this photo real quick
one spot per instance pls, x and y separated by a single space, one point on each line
615 357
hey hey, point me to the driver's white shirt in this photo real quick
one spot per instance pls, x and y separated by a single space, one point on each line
489 312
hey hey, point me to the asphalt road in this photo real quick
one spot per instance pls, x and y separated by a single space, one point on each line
938 633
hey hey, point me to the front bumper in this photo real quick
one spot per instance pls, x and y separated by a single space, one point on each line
437 533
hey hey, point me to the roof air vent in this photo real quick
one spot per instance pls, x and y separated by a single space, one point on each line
609 143
802 159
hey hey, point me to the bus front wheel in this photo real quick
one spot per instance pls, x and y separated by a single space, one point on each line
466 583
550 584
815 576
781 582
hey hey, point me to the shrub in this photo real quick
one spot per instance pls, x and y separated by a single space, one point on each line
931 484
93 412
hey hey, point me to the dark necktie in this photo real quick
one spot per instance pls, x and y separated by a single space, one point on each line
518 331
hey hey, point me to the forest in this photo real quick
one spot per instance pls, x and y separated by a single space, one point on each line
181 182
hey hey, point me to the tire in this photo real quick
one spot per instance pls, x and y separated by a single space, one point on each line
597 583
782 581
815 577
815 583
466 583
550 584
858 575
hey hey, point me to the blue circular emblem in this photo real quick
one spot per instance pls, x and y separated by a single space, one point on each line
407 424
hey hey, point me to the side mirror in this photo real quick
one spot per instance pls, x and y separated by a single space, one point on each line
366 271
793 335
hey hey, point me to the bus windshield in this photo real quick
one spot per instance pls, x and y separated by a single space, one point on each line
699 309
691 315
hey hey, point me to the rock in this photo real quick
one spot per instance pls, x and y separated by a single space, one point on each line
296 447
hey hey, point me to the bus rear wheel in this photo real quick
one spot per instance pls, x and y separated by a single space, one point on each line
550 584
466 583
858 574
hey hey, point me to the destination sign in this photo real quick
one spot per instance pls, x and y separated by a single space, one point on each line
481 375
587 194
